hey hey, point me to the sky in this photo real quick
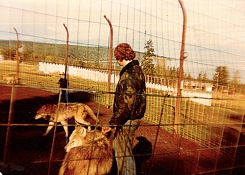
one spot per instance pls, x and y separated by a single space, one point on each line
215 31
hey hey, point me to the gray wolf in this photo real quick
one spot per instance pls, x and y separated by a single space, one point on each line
88 153
11 79
61 113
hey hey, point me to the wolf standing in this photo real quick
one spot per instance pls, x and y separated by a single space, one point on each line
129 106
64 111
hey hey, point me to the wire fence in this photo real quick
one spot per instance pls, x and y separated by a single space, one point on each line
211 111
207 125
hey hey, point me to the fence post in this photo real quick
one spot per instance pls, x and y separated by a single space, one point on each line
63 81
67 45
11 107
110 62
183 56
17 54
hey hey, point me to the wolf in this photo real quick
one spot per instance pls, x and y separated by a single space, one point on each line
62 112
11 79
88 153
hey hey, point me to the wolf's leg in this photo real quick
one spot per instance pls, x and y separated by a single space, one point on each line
85 123
80 119
65 126
51 125
91 113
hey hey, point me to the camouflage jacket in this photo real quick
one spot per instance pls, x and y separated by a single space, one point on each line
130 99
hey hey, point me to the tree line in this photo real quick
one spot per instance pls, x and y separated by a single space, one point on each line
221 78
88 56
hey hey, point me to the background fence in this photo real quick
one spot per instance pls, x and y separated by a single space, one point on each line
213 118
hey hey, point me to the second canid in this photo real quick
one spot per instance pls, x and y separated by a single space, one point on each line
60 113
88 153
11 79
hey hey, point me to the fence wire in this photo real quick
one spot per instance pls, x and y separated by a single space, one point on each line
211 136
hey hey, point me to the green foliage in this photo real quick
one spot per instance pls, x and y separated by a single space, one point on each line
221 76
205 78
55 53
187 77
174 72
199 78
236 81
147 60
50 59
7 50
202 77
8 54
236 78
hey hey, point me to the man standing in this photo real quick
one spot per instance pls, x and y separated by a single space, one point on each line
128 108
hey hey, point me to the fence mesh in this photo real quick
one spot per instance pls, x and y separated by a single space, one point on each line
212 102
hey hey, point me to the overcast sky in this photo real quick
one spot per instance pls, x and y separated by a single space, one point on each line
215 28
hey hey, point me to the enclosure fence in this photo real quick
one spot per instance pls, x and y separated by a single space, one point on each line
211 111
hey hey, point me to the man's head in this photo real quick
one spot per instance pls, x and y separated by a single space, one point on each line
124 52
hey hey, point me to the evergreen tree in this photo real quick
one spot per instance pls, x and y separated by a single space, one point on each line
236 81
147 60
174 72
189 77
9 53
221 76
205 78
199 78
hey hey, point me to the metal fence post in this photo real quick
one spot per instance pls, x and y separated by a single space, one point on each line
110 62
183 56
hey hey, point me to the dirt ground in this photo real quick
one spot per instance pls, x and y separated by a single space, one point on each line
26 151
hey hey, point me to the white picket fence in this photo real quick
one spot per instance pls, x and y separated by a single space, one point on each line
98 76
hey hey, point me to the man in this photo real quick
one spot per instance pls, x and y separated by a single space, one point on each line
128 108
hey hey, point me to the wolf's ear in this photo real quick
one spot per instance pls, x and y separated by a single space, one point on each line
44 107
81 130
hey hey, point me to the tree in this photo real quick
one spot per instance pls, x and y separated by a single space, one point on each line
236 81
50 59
147 60
221 76
189 77
199 78
27 53
9 53
174 72
205 78
202 77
